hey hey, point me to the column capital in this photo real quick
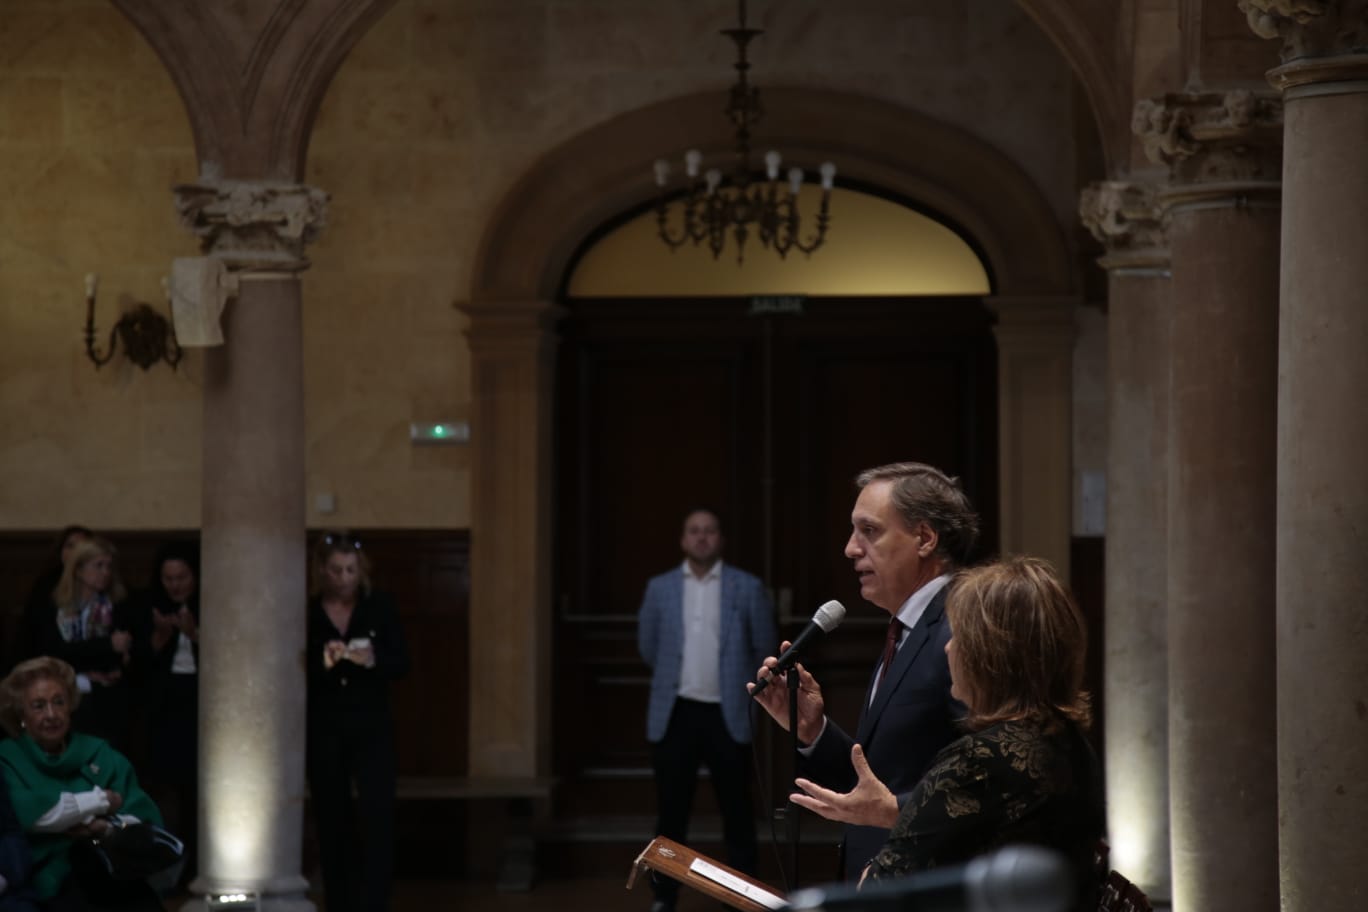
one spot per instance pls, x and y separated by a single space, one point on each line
1125 217
253 224
1213 137
1310 28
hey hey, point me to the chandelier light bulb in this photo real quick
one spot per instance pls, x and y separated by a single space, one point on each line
828 171
716 212
772 161
692 159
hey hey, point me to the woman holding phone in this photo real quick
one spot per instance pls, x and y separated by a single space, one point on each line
355 649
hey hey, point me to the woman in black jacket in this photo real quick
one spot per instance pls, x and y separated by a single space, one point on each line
168 645
38 607
87 625
355 649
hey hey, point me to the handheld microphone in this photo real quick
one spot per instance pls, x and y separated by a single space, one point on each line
1017 878
824 621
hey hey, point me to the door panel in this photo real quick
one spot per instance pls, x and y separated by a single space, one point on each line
667 405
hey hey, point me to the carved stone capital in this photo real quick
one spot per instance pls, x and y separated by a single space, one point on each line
1123 215
1310 28
1212 136
253 224
1126 217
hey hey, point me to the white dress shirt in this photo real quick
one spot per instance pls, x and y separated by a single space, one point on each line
699 665
910 612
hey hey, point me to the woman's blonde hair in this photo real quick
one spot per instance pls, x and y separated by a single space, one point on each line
18 681
1020 644
68 591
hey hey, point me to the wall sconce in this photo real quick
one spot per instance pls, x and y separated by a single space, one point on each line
147 336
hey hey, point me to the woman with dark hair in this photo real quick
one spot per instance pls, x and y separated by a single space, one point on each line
355 649
1025 773
63 785
169 639
87 626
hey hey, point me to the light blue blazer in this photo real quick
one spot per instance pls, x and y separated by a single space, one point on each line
747 635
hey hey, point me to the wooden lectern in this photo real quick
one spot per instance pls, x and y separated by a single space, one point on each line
731 887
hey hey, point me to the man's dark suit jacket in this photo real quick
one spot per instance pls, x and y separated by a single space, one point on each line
911 719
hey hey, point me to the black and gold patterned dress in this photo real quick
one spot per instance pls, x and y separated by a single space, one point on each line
1014 782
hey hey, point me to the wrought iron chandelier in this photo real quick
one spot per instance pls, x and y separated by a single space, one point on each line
740 204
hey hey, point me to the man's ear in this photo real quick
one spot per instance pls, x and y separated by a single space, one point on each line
928 539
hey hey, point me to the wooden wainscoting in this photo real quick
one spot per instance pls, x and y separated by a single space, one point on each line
428 573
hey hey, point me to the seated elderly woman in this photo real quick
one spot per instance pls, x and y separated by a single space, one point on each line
62 783
1025 773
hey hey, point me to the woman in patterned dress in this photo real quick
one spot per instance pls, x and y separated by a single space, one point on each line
1025 772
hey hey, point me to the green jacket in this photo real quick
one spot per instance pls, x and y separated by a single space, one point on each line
36 782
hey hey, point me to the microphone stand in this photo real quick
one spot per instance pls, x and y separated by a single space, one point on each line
791 810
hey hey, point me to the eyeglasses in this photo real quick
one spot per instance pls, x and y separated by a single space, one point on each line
342 541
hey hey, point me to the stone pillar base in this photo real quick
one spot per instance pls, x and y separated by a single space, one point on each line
281 894
266 902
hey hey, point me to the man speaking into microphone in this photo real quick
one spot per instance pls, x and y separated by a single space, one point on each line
911 527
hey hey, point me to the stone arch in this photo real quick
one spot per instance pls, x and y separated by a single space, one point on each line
528 244
593 177
1084 40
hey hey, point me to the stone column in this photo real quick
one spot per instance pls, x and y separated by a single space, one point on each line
252 687
512 348
1221 210
1322 509
1035 339
1124 216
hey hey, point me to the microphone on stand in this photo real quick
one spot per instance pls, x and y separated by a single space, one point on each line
827 618
1017 878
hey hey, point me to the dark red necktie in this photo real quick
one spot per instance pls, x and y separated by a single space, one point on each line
895 629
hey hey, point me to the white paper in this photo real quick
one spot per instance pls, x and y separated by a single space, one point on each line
737 885
197 300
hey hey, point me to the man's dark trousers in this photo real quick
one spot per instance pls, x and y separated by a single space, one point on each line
695 737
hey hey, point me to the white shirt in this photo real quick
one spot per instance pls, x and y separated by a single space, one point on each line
911 612
73 808
183 663
699 665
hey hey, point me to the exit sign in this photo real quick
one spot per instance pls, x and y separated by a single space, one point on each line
761 305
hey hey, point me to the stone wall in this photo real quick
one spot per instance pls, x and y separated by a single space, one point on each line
444 104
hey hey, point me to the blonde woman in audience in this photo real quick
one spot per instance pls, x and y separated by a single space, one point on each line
88 629
38 605
356 649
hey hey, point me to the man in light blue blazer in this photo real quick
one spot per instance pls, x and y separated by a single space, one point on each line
704 628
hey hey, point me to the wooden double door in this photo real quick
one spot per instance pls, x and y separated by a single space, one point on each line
763 410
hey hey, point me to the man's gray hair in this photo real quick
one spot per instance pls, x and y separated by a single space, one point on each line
923 493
